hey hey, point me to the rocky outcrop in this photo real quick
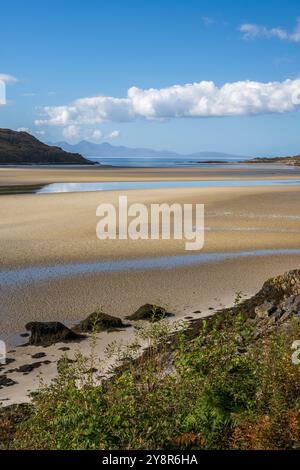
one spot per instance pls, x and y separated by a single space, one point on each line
277 302
99 321
279 293
47 333
21 148
293 161
149 312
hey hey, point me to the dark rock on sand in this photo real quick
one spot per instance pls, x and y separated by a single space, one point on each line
149 312
99 321
38 355
6 362
47 333
6 382
26 368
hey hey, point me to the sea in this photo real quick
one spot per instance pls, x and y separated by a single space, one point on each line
162 162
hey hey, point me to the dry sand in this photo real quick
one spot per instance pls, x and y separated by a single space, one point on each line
59 229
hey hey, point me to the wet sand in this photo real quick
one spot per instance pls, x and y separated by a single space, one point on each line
43 230
45 175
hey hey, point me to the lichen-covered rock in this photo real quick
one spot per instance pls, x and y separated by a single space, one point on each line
99 321
47 333
276 290
149 312
265 310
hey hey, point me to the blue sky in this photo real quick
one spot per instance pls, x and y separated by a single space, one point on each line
62 52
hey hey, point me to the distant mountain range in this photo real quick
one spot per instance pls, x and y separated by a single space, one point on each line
21 148
106 150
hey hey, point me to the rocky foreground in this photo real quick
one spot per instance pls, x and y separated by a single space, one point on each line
21 148
226 382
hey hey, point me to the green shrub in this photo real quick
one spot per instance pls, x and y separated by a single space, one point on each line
226 389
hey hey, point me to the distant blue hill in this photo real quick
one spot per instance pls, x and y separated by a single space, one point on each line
106 150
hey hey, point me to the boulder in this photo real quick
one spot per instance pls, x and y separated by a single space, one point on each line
47 333
99 321
38 355
265 310
6 382
149 312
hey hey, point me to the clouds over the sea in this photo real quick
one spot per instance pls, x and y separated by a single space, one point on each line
194 100
74 133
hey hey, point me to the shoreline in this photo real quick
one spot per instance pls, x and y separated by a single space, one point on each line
181 289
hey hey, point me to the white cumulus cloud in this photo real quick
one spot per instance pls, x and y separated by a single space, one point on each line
88 111
202 99
75 133
252 30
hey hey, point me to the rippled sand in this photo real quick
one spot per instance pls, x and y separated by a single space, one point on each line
60 229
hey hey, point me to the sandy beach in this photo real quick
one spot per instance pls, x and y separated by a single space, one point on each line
52 174
59 230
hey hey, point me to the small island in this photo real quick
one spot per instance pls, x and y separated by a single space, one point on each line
21 148
292 161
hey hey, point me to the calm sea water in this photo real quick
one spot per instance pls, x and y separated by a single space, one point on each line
38 274
156 162
124 185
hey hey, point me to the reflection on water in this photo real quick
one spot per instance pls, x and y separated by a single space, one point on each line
124 185
37 274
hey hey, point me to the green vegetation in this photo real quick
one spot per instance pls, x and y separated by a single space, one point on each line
221 388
